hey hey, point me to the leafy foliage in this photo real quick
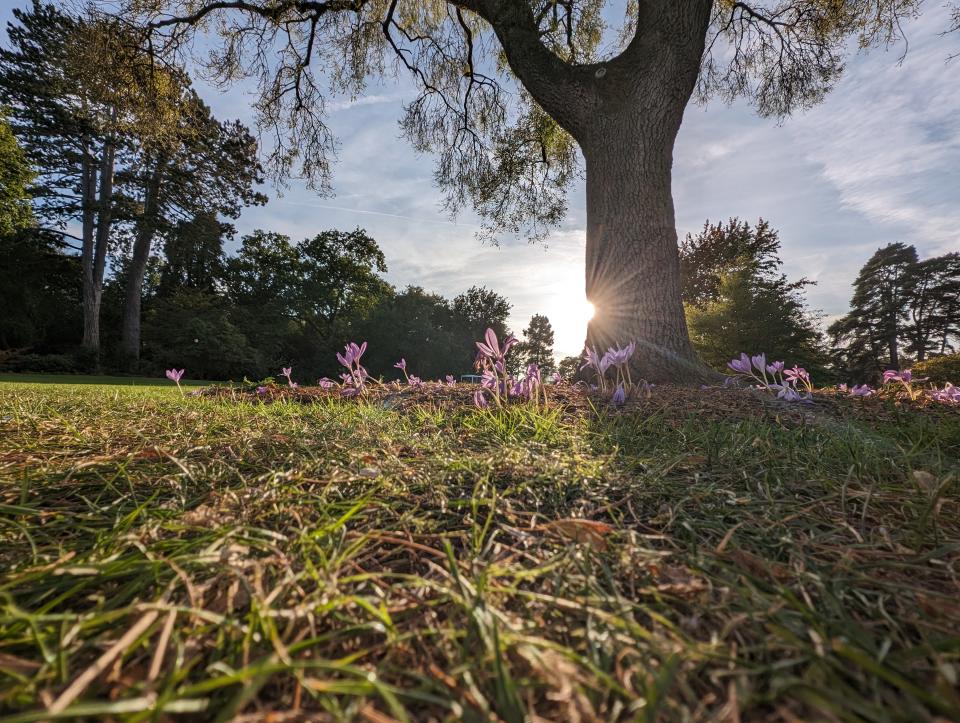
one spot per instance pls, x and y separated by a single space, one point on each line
737 299
15 179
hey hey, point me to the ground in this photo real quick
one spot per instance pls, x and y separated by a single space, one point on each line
699 555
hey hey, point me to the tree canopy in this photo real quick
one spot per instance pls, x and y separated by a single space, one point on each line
496 77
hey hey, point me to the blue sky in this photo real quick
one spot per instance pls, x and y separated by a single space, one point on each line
878 161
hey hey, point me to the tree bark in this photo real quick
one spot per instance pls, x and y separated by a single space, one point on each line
88 183
133 294
632 262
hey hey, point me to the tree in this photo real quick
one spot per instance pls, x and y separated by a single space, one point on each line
738 300
538 343
79 89
15 178
339 278
934 306
753 313
202 166
719 249
569 367
39 291
193 251
512 163
869 336
414 325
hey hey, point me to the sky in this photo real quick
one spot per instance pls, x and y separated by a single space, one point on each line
877 162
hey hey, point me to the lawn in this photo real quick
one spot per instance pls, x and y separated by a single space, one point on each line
93 379
696 556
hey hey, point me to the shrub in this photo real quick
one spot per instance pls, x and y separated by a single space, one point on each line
939 369
41 363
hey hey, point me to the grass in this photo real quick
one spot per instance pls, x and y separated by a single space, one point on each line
218 559
97 380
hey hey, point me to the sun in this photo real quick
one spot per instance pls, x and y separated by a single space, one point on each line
569 317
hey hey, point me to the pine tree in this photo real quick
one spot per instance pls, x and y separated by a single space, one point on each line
934 306
868 339
537 346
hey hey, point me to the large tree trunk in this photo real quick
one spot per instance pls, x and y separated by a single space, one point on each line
625 114
133 294
91 317
632 262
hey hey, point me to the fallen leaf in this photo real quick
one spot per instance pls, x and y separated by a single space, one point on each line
587 531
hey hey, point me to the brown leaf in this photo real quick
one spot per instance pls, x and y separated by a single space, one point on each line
757 566
588 531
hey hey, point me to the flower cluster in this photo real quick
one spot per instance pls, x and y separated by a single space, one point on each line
287 371
413 381
857 390
617 358
355 378
497 381
905 379
792 385
949 393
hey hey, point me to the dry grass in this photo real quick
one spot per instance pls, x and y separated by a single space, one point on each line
696 557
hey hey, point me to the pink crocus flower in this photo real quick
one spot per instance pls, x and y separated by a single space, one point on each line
175 376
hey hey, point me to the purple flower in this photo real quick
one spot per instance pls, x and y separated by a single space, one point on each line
891 375
352 353
325 383
592 358
533 373
759 362
619 396
741 365
775 368
450 380
949 393
842 388
616 355
862 390
786 392
261 390
557 378
488 380
479 399
286 371
797 373
490 346
402 365
175 376
414 382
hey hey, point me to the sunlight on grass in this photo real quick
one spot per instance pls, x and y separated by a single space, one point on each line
165 555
